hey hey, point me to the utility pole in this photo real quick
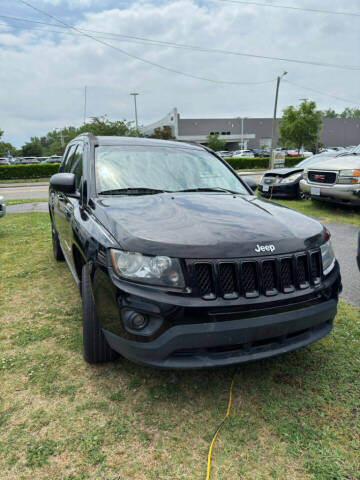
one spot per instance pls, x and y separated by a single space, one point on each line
242 133
85 92
136 116
272 156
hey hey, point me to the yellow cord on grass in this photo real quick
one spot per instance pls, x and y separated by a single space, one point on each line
218 430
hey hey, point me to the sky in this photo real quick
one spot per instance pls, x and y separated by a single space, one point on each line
44 69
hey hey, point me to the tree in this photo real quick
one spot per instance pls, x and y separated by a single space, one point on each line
164 133
6 147
104 126
215 143
300 127
330 113
32 148
350 113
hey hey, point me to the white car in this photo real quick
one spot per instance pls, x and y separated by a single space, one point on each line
244 153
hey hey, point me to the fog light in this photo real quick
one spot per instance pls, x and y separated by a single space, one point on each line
138 321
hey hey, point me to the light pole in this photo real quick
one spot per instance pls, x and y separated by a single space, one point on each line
136 116
61 136
272 156
85 101
242 132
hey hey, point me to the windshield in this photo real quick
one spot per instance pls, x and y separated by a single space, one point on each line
161 168
356 150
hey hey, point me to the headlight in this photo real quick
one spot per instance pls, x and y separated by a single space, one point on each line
349 176
292 178
161 271
328 257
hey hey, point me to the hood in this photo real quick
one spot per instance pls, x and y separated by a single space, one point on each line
283 172
205 225
344 162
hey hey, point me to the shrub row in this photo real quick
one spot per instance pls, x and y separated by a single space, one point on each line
42 170
261 163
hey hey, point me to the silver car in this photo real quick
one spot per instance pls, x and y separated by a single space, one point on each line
336 180
2 206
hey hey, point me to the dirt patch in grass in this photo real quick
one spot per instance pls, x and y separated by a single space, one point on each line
293 417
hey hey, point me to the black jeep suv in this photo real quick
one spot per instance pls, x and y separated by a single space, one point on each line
178 263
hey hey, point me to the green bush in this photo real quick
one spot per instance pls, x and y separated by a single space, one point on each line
38 170
242 163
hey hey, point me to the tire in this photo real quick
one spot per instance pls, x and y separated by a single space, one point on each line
58 253
301 195
95 347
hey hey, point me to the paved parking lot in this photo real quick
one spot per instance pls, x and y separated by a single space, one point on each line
344 239
15 191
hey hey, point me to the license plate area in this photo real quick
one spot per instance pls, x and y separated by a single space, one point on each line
315 191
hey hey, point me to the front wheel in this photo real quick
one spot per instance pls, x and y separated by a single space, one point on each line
58 253
95 347
301 195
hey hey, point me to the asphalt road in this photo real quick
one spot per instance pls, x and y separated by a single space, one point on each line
344 239
16 191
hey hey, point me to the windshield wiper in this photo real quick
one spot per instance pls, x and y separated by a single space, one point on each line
132 191
209 189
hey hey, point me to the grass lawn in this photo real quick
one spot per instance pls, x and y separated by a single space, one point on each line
26 180
326 212
19 201
294 417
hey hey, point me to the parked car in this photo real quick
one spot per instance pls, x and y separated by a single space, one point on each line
285 182
29 160
2 206
243 153
53 159
224 154
178 263
4 161
336 181
260 153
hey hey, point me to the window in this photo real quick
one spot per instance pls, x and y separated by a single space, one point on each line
68 159
77 165
170 169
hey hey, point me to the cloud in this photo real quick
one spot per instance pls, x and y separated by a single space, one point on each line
43 74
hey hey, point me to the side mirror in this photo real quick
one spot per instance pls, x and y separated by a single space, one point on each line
63 182
250 182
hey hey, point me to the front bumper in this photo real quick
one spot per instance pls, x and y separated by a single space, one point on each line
201 335
231 342
278 190
337 193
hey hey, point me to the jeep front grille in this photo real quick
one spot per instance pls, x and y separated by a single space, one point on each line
251 278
